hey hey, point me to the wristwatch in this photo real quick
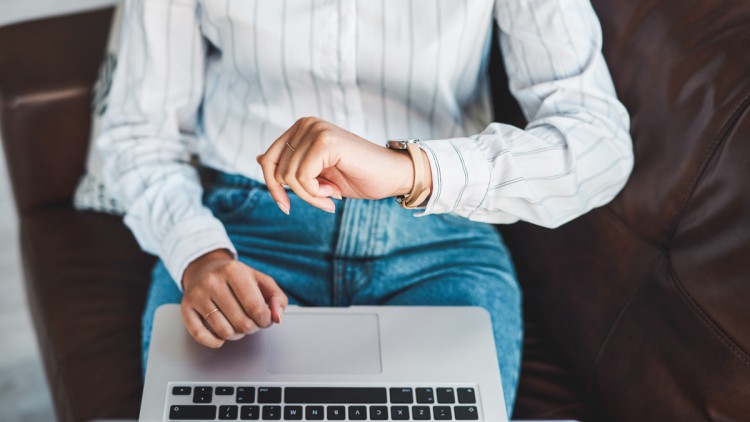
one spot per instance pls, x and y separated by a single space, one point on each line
419 192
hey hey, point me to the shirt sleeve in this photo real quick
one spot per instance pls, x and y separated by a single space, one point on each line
575 153
148 128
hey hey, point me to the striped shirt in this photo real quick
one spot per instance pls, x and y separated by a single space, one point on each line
224 78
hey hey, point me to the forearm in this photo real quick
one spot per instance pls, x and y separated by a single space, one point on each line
150 116
575 153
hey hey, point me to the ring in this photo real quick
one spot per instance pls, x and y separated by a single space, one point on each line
208 314
290 147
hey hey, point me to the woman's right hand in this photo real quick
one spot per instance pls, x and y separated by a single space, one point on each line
247 299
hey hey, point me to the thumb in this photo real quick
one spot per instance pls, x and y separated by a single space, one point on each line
327 188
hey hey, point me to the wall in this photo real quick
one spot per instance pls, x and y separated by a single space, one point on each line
13 11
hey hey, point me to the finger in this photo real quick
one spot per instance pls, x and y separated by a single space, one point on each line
309 169
217 322
226 300
308 194
325 204
275 189
194 324
273 294
308 172
297 147
269 161
252 301
286 157
328 188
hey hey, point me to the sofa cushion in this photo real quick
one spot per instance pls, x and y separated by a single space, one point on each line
87 283
647 297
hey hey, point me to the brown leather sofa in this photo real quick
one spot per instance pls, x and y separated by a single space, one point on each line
637 311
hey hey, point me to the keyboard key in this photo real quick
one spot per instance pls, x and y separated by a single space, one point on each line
314 413
425 395
336 413
293 413
466 413
245 395
402 395
181 391
203 395
272 413
399 413
442 413
357 413
192 413
378 413
269 395
204 390
249 413
227 413
445 395
420 413
334 395
224 391
466 395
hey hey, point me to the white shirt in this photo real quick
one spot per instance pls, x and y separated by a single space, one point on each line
224 78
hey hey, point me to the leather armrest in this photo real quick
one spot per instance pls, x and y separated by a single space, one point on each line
47 72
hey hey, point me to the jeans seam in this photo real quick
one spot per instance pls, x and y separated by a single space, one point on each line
338 269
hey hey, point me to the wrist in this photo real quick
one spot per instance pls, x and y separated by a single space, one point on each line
405 180
420 175
195 265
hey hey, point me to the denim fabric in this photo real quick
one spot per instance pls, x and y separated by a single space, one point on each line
367 253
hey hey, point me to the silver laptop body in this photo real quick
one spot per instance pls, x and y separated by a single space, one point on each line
330 364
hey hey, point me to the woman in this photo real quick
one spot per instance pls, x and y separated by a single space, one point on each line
231 81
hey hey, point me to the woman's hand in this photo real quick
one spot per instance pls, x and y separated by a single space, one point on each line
318 160
246 299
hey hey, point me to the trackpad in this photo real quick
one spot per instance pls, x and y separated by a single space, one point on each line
318 343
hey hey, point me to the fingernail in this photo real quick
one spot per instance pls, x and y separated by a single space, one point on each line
283 207
337 196
280 312
326 190
331 209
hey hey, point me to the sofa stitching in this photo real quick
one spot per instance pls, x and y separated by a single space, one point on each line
703 316
708 156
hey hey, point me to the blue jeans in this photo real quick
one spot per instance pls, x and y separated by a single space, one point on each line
367 253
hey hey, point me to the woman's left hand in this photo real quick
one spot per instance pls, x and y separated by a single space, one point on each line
318 160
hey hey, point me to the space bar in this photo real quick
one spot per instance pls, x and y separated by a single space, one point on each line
334 395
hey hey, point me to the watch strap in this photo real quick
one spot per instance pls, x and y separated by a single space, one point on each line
419 192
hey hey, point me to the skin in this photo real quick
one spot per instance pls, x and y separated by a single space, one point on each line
326 162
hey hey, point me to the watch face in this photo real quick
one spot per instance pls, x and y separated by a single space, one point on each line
400 143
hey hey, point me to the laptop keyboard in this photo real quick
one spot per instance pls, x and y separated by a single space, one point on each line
257 402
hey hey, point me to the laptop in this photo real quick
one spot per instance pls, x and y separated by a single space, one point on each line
354 363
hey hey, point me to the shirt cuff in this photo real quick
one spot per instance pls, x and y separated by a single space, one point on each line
460 176
191 239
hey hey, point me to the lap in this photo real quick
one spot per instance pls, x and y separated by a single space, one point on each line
492 287
439 260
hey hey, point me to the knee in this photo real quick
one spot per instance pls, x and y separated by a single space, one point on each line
502 296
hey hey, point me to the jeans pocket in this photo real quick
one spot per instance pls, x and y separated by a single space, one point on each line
232 204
